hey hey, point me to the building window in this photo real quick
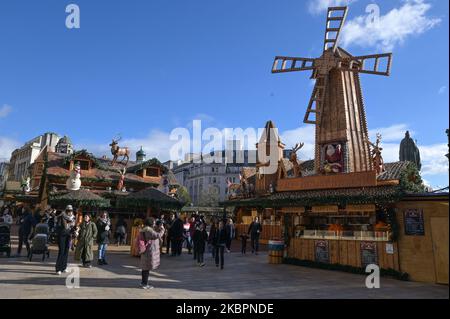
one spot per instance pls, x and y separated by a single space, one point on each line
214 180
152 172
84 165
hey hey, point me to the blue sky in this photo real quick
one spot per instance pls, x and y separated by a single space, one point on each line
143 68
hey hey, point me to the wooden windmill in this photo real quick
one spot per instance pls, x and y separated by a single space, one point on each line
336 106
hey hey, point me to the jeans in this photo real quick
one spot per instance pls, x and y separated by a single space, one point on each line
63 252
102 251
219 250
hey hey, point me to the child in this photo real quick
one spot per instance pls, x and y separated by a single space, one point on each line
200 237
244 238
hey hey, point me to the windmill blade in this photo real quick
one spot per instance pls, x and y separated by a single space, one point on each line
364 61
316 101
283 64
334 27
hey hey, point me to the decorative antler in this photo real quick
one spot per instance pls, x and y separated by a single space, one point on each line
298 146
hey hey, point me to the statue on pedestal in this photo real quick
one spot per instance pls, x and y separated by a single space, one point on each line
409 151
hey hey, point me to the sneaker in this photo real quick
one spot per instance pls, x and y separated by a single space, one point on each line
217 265
58 273
221 267
104 262
65 271
146 287
100 262
202 264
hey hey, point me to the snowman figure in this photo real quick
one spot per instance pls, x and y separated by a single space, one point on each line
74 181
26 185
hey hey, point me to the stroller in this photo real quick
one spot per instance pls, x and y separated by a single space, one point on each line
39 243
5 239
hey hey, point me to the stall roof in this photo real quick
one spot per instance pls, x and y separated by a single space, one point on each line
379 194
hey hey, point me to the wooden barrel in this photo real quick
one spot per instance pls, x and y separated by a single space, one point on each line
134 234
276 250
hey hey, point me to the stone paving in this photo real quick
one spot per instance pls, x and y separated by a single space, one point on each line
244 277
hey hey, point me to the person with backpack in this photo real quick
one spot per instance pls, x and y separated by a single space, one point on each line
148 244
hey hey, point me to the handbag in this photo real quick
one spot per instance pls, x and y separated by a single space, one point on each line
142 245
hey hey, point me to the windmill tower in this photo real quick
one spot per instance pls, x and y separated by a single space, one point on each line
336 106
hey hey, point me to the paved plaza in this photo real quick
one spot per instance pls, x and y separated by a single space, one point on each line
244 277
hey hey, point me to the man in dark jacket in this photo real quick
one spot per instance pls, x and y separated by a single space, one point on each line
219 242
27 223
199 238
176 233
255 230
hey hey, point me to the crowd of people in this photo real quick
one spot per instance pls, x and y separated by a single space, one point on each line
163 235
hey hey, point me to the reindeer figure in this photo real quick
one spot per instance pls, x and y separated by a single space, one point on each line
377 159
293 159
121 182
117 151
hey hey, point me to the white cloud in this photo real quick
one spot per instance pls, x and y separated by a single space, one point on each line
7 146
434 161
304 134
390 29
5 110
394 132
442 90
319 6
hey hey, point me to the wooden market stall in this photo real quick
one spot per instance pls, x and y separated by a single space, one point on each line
151 201
82 200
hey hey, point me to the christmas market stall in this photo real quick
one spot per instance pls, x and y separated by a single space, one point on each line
81 200
345 209
54 175
151 200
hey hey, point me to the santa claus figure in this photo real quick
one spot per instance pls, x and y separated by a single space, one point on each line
333 158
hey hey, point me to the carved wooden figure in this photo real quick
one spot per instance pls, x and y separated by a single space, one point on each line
377 159
294 161
117 151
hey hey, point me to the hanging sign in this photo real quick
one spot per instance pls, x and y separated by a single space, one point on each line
414 222
369 254
322 251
